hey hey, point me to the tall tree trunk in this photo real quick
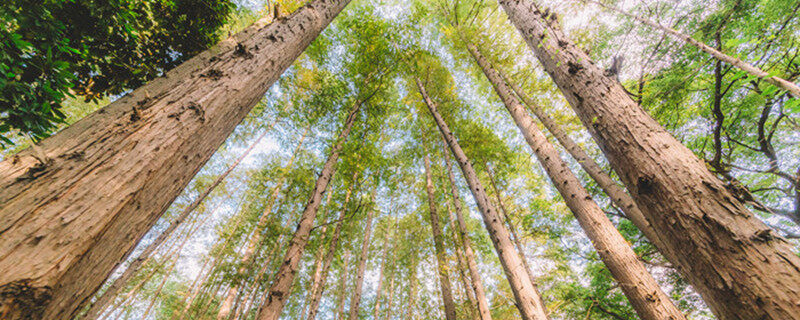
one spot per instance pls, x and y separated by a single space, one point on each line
252 243
750 69
413 284
381 275
438 243
511 228
642 290
105 180
730 256
331 253
390 299
615 192
102 302
355 300
527 298
482 303
339 313
281 287
318 260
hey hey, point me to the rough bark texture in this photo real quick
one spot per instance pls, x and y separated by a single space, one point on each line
740 267
615 192
481 303
355 300
784 84
642 290
252 243
110 176
329 255
282 285
525 294
438 244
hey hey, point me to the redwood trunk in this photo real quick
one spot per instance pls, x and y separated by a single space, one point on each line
482 304
740 267
362 266
252 243
106 179
331 253
525 294
642 290
438 243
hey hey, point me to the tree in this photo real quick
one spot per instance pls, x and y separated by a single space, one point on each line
438 242
528 300
146 146
718 239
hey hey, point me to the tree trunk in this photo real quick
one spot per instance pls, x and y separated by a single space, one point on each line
282 285
726 253
615 192
642 290
339 313
106 179
526 295
355 300
379 290
252 243
390 300
482 303
331 253
438 243
750 69
318 262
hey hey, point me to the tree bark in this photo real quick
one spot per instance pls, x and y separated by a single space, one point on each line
750 69
106 179
438 243
615 192
282 285
252 243
482 303
642 290
355 300
331 253
339 313
726 253
525 294
379 290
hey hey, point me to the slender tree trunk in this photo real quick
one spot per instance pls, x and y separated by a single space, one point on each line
511 228
355 300
413 284
482 303
381 275
339 313
615 192
255 238
390 300
282 285
105 180
526 295
315 281
438 243
784 84
730 256
331 253
642 290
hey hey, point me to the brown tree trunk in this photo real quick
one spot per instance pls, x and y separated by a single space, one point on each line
355 300
389 300
282 285
482 303
726 253
642 290
438 243
750 69
331 253
318 260
252 243
106 179
526 295
615 192
379 290
339 313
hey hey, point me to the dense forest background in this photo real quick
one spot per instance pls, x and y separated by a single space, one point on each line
743 128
